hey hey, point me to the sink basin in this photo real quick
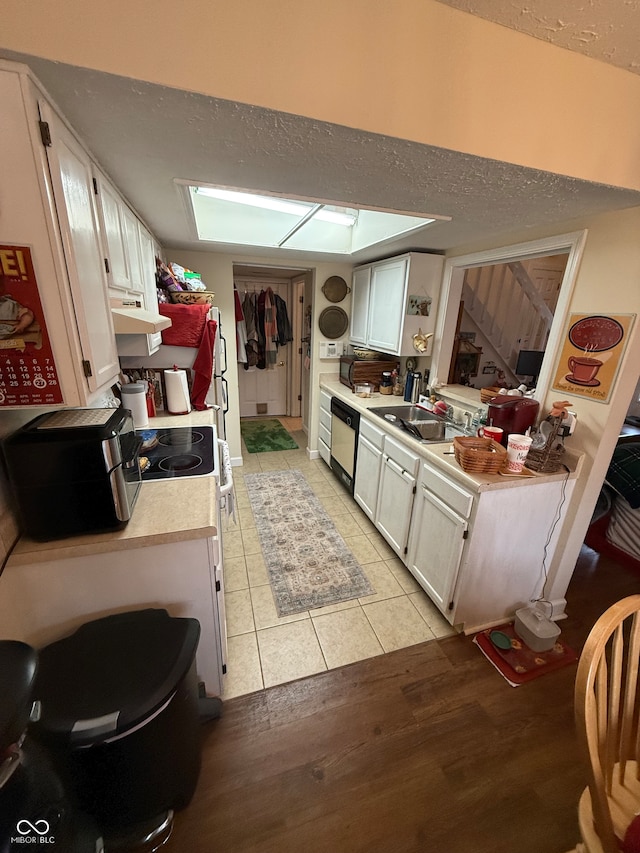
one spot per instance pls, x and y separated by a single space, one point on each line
424 426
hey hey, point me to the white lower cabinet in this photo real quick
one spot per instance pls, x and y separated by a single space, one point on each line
395 495
368 465
438 534
324 427
185 578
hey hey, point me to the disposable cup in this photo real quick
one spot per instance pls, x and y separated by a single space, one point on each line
517 449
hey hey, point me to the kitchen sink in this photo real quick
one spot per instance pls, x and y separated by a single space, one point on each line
422 425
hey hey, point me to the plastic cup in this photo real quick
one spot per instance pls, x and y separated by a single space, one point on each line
517 449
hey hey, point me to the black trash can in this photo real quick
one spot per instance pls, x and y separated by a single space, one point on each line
120 715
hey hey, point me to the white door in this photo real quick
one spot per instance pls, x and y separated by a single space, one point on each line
263 392
386 305
395 500
360 286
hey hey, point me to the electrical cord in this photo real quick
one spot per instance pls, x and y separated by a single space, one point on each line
542 599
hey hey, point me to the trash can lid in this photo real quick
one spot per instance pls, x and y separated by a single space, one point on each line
111 674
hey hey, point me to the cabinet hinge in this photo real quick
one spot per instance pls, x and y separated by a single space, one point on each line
299 350
406 550
95 187
301 299
86 366
450 605
106 266
224 669
414 489
45 133
465 534
300 397
217 586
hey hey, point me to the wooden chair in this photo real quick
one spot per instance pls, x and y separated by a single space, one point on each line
606 708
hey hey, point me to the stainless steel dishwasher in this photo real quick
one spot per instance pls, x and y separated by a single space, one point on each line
345 423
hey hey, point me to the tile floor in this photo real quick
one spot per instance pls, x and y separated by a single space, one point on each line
264 649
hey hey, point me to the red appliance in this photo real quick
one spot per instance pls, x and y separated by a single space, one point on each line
512 414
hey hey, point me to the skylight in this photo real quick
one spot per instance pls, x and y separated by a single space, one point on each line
224 215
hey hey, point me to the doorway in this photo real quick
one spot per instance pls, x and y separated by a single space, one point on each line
271 386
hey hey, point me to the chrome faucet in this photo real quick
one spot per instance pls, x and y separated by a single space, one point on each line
468 420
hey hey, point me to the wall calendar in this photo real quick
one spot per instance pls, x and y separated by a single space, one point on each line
28 375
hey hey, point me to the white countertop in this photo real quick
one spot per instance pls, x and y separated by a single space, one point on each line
440 454
172 510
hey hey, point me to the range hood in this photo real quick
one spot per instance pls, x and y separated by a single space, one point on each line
131 320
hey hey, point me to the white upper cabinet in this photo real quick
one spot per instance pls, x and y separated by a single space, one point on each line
121 237
394 299
144 345
72 182
360 287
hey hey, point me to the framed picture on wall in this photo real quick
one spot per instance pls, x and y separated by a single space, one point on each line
592 351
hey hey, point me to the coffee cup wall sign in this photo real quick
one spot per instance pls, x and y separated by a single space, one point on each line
591 354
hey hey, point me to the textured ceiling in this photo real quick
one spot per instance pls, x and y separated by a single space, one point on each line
601 29
146 135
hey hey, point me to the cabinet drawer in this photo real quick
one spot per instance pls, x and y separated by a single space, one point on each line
372 433
325 420
401 455
324 434
325 453
449 492
325 402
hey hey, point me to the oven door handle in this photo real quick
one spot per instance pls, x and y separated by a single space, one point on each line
119 492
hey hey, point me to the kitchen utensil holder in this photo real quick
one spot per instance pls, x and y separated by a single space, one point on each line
547 459
479 455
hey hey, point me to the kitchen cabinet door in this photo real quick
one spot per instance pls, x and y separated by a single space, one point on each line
144 345
110 209
360 286
387 305
131 233
72 181
435 547
395 495
368 466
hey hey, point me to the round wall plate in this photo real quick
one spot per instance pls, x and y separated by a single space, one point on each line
335 288
333 322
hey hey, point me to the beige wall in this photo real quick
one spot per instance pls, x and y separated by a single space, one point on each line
413 69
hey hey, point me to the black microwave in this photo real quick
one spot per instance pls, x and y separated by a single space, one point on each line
74 471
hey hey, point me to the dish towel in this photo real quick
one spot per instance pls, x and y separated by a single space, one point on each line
203 366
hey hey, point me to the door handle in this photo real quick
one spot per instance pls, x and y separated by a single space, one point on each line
281 364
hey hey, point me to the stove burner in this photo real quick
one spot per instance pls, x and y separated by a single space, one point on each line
180 452
183 462
176 436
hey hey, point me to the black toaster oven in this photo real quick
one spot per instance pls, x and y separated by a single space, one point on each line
74 471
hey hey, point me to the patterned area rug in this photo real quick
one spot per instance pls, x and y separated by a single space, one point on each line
308 561
262 436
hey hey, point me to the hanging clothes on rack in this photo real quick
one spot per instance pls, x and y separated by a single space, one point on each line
249 309
285 334
270 329
241 328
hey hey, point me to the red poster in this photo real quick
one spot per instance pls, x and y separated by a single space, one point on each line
28 375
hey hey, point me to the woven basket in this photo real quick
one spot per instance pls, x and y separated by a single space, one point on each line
479 455
489 393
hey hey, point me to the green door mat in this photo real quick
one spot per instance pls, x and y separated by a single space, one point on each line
266 435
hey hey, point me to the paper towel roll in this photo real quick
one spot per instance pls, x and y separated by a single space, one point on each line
134 398
175 382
